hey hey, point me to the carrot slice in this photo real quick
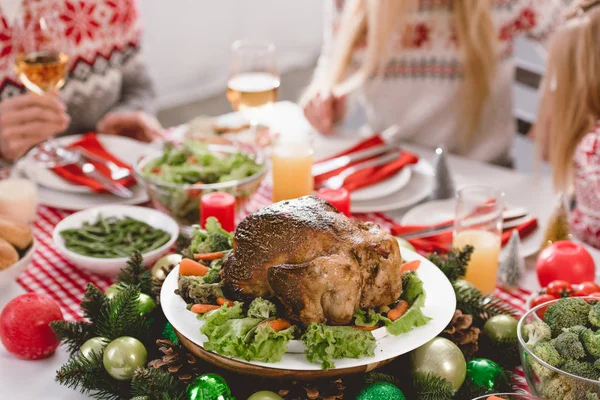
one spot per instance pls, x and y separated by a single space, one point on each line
209 256
410 266
203 308
493 398
398 311
365 328
278 324
223 300
188 267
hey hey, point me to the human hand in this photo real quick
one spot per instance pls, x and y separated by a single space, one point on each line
29 119
324 110
137 125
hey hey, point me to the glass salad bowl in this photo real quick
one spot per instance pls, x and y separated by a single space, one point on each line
182 200
544 380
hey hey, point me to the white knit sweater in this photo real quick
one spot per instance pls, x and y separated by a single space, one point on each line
420 89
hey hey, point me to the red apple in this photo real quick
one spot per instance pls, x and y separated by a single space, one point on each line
25 326
567 261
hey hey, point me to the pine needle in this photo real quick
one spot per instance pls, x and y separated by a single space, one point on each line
454 265
92 303
156 384
72 334
371 377
432 387
121 316
136 274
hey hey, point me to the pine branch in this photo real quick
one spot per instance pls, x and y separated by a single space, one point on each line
371 377
156 384
454 265
471 301
121 317
72 334
89 377
432 387
92 303
136 274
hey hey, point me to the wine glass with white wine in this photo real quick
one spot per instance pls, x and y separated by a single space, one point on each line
41 64
254 79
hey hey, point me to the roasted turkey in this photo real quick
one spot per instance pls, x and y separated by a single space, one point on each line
321 265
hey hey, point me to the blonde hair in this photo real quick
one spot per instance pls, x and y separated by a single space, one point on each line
571 96
380 20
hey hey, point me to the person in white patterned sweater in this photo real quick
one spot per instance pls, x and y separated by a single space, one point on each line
442 70
107 89
571 116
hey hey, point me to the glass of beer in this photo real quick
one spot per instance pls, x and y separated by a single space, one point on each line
41 64
478 222
254 79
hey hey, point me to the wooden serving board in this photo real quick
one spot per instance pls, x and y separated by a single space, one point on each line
274 373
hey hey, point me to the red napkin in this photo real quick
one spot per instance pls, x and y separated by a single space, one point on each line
442 242
91 144
372 175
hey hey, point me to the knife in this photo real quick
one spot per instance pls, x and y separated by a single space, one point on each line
339 162
509 218
115 188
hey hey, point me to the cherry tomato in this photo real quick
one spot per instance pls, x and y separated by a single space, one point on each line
565 260
587 288
559 288
541 299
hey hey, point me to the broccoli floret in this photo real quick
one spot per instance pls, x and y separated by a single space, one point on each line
261 308
592 396
214 242
406 278
581 368
594 315
597 364
556 388
537 331
565 313
591 342
569 346
578 329
547 353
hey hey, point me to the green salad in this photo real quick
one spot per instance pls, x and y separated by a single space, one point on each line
259 331
193 163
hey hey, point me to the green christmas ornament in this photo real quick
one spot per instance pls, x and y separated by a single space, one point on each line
485 374
123 356
265 395
442 358
209 387
147 304
112 291
380 390
93 345
501 328
169 333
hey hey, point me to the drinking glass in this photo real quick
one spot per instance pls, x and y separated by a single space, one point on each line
478 222
41 64
254 79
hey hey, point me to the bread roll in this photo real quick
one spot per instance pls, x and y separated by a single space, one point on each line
16 233
8 254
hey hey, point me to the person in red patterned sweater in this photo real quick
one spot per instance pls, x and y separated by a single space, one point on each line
570 112
107 89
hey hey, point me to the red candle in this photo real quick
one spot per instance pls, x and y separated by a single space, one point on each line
218 205
339 198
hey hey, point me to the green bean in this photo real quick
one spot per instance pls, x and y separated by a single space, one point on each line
112 237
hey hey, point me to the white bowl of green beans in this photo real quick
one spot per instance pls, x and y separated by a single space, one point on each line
101 239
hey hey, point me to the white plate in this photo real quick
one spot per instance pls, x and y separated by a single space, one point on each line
386 187
419 187
439 305
433 212
124 148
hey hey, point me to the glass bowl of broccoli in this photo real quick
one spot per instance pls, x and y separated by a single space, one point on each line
507 396
178 175
560 349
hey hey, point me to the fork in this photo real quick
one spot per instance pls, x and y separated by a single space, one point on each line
116 172
336 182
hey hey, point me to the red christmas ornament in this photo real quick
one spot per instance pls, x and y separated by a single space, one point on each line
565 260
25 326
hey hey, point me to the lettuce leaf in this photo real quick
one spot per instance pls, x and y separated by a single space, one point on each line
413 318
261 308
325 343
369 318
412 289
230 334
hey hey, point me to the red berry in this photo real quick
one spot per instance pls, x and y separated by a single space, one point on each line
25 326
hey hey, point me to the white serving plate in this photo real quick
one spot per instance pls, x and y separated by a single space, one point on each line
384 188
439 305
111 266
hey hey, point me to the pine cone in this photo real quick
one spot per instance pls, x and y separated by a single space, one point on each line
324 390
177 360
462 333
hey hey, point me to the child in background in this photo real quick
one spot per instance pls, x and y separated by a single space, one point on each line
571 110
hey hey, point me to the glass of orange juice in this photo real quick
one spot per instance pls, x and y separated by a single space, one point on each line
478 222
291 165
